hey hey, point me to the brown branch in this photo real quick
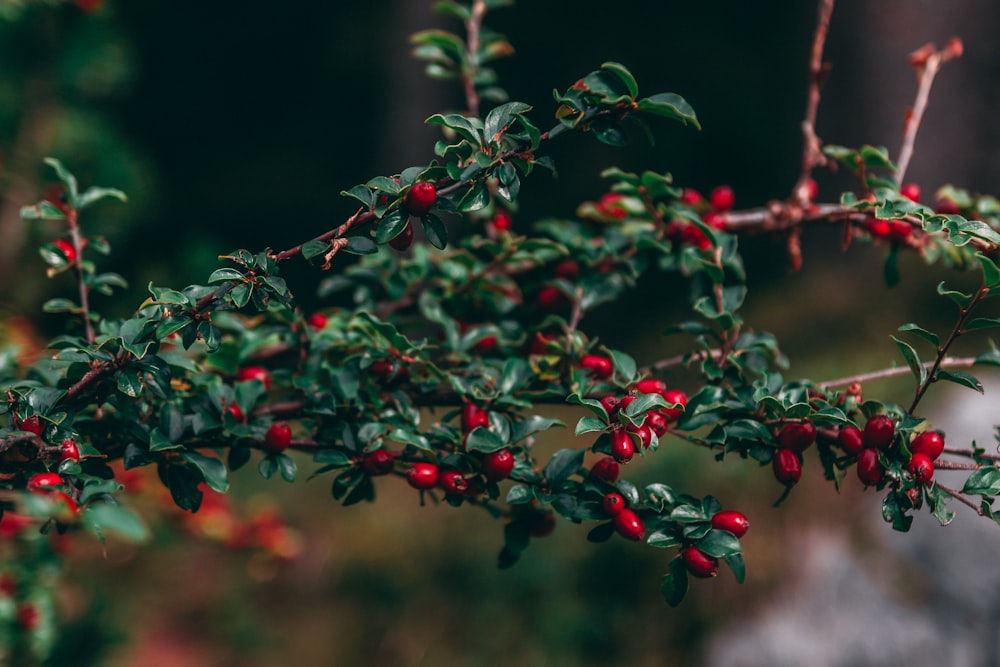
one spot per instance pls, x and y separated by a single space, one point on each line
955 362
812 154
927 67
361 215
961 497
74 235
473 26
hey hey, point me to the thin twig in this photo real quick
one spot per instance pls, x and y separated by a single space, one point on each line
812 154
74 235
956 362
960 497
473 26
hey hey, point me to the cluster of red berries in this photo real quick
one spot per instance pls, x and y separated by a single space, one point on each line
712 210
878 436
418 202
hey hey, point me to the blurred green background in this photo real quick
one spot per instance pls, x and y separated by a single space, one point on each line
237 125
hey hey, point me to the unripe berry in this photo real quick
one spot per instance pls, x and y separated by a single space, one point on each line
498 465
928 443
673 396
731 520
422 476
453 482
403 240
255 373
67 249
797 436
44 481
474 416
613 503
278 437
657 423
379 462
879 432
420 199
850 439
869 469
622 447
787 467
921 467
629 525
606 470
651 386
601 367
699 564
722 198
69 450
911 191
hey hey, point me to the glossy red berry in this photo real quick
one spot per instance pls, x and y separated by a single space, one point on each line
403 240
610 404
869 469
606 470
928 443
69 450
879 432
698 563
44 481
498 465
797 436
622 447
611 204
921 467
812 189
613 503
379 462
255 373
473 417
651 386
733 521
501 221
549 298
673 396
67 249
645 434
317 321
423 476
691 197
657 423
453 482
32 424
234 410
787 467
68 507
851 440
382 368
900 230
911 191
722 198
877 228
278 437
947 207
420 199
629 525
600 367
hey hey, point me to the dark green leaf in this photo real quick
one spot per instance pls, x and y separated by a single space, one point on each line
212 470
435 231
912 360
961 378
720 543
916 330
391 226
563 463
983 482
483 440
675 583
589 425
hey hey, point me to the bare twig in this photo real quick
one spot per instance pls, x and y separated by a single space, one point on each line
812 154
961 497
74 235
473 26
959 362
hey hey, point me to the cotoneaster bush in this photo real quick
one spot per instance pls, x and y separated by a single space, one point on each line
487 333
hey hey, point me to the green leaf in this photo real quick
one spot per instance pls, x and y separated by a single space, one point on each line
890 271
314 248
675 583
982 323
669 105
662 539
360 245
500 118
738 566
893 513
390 227
624 365
212 470
959 298
68 179
224 274
241 294
362 193
94 194
916 330
622 73
111 517
983 482
913 361
563 463
286 466
589 425
720 543
268 466
475 198
60 305
483 440
961 378
435 231
519 494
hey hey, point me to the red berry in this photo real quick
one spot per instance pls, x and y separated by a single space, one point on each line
629 525
255 373
911 191
878 228
423 476
715 221
69 450
234 410
67 249
474 416
485 345
88 6
498 465
692 235
540 524
610 404
731 520
797 436
722 198
403 240
28 616
622 447
420 199
674 396
549 298
947 207
611 205
379 462
657 423
928 443
8 585
921 467
501 221
453 482
645 435
32 424
787 467
44 481
851 440
613 503
70 507
600 366
699 564
879 432
691 197
869 468
383 368
541 344
651 386
606 470
278 437
317 321
813 189
567 269
899 230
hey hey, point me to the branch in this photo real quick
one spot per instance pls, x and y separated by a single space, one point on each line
955 362
812 155
961 497
74 235
473 26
